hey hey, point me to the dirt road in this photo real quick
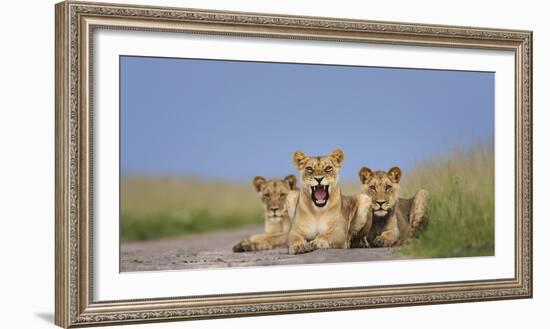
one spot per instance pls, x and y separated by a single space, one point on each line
214 250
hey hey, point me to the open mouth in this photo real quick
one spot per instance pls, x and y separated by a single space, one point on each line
319 195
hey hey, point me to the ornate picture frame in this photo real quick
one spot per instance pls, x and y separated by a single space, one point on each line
75 24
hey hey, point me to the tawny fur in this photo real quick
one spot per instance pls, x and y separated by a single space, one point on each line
361 223
273 194
326 226
395 221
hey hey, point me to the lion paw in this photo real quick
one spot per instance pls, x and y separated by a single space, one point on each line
244 245
383 241
319 243
298 248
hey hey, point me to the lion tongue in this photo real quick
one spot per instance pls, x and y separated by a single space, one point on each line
320 193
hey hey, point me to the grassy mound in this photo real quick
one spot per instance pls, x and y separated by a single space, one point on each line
462 199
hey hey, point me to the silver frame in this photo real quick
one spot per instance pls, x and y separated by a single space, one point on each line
76 23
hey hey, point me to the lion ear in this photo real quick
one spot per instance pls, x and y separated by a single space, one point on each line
364 174
299 158
338 157
258 183
395 174
291 181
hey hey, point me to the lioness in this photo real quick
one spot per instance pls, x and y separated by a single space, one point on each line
320 214
273 194
395 220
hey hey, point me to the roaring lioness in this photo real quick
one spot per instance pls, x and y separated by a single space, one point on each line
273 194
320 214
395 220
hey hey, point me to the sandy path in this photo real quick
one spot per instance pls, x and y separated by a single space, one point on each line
214 250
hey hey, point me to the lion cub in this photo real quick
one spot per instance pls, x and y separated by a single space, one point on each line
394 220
276 220
320 214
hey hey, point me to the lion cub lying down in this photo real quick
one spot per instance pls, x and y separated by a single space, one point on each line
395 220
320 214
276 220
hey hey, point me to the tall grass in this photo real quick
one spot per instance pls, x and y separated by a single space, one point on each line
461 186
156 207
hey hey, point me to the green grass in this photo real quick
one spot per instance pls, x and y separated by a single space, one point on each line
461 186
158 207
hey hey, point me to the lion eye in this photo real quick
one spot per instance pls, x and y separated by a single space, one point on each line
266 195
309 170
388 187
328 169
372 187
283 195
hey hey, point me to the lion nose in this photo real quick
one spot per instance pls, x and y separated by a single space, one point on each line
274 209
319 180
380 202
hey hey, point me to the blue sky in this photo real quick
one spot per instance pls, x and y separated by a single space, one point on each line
236 120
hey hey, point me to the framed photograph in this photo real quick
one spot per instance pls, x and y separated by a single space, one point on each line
217 164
